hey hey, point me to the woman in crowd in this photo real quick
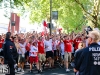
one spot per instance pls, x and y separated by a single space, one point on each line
21 51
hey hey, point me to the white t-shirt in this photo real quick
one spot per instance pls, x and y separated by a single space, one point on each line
33 51
23 48
54 45
62 48
48 44
98 43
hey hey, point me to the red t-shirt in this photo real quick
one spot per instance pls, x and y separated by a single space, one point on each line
41 47
28 47
67 46
1 43
76 42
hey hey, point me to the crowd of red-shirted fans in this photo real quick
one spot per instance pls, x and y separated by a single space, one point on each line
42 50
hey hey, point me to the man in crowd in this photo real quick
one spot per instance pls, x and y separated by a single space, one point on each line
41 52
9 50
1 45
89 61
49 52
68 50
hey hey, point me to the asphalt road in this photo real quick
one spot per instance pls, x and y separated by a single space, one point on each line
46 71
56 71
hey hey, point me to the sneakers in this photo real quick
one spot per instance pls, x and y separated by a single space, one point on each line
22 70
19 69
39 71
30 71
15 70
27 63
15 65
67 70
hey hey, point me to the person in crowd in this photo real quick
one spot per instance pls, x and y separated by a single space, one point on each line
8 49
16 53
33 56
77 39
49 52
80 46
77 55
57 38
88 62
16 42
41 53
21 58
54 48
68 50
28 45
62 51
1 45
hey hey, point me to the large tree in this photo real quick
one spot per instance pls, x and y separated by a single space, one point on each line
72 13
91 11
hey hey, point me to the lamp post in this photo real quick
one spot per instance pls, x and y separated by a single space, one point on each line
50 17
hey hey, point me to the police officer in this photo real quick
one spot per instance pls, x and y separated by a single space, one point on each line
88 62
9 50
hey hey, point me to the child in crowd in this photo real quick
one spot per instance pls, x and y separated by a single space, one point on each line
33 56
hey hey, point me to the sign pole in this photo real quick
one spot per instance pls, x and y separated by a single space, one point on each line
50 17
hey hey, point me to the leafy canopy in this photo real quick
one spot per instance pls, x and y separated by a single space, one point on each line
70 12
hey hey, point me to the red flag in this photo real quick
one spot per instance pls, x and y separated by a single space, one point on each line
42 33
45 24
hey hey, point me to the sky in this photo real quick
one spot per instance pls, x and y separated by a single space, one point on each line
24 23
2 18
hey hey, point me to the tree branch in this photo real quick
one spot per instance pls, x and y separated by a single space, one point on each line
81 5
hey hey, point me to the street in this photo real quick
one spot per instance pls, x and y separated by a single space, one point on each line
56 71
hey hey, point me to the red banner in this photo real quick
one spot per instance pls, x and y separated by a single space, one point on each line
16 18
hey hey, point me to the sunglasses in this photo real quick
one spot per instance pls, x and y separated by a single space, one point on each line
88 37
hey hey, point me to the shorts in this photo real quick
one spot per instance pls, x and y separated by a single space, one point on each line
21 59
42 57
26 54
67 57
33 59
49 54
55 53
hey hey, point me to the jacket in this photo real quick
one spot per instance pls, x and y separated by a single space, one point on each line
88 62
9 51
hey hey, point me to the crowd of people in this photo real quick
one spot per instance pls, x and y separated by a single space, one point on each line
33 48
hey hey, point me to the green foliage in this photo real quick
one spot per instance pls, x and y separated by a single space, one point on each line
70 12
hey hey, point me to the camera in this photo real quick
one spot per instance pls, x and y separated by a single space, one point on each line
88 29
